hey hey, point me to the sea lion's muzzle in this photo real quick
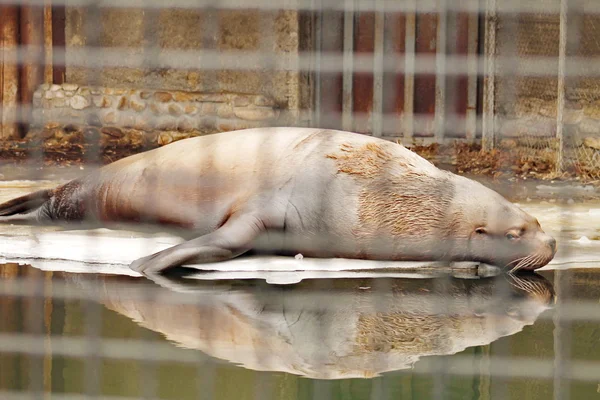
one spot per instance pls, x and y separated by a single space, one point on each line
551 242
542 252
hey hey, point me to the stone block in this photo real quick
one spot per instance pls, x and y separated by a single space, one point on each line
225 110
112 131
241 101
263 101
122 103
137 105
79 102
163 97
209 109
190 109
254 113
175 110
70 86
110 118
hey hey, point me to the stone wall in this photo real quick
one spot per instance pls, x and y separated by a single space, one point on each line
138 36
189 113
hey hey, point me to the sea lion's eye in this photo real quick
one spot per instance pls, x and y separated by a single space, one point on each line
480 231
511 236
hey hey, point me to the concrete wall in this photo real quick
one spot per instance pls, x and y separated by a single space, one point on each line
225 31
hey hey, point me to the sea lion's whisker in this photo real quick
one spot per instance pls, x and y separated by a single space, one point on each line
514 261
532 260
527 261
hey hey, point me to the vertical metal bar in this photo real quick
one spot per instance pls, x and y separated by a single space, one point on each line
48 309
318 34
31 71
440 64
485 375
409 68
489 79
377 111
59 67
560 100
347 95
93 310
48 41
561 327
472 71
561 336
9 72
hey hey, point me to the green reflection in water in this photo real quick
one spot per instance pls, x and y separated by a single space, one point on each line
217 379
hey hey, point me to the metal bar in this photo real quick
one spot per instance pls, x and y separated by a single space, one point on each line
331 61
121 349
58 40
489 80
9 73
409 68
560 100
505 6
48 41
472 73
347 95
561 335
561 328
31 32
377 109
315 64
440 63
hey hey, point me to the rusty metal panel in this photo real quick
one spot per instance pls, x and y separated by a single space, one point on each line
330 83
32 38
394 81
409 64
364 42
440 76
378 43
425 84
461 90
58 41
9 72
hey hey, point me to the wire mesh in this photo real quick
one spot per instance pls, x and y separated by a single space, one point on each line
495 89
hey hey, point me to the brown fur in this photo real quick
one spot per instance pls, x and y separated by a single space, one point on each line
393 188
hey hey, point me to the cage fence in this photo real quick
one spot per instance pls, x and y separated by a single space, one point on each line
501 88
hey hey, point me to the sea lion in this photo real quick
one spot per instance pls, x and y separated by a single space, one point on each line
322 193
351 328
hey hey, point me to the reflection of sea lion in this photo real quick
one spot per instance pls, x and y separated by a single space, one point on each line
329 193
351 328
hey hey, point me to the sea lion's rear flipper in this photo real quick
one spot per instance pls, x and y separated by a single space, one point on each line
25 208
230 240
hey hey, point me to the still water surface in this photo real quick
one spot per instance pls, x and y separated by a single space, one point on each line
447 338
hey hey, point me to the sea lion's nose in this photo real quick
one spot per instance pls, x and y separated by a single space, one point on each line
551 242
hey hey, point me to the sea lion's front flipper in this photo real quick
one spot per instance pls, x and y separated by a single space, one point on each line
230 240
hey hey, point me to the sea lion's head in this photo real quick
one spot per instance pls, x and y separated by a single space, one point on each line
497 231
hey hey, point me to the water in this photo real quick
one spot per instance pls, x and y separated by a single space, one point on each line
110 333
346 339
